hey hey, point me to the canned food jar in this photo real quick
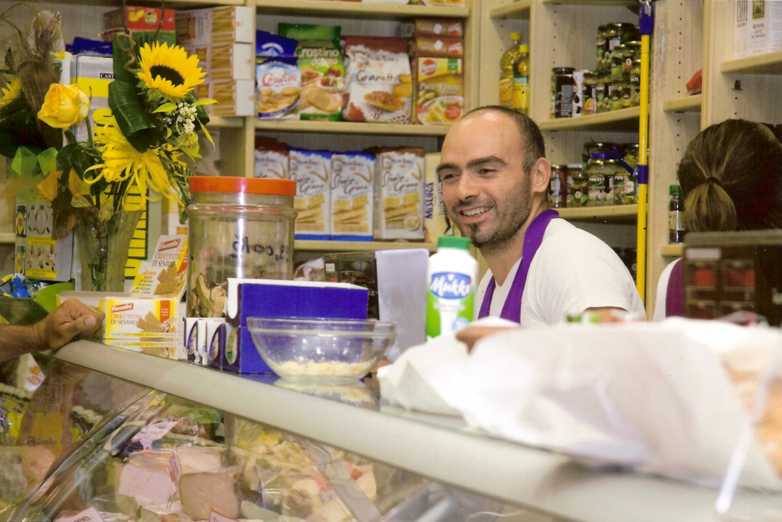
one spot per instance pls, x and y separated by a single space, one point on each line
577 194
563 87
620 33
558 186
239 227
599 175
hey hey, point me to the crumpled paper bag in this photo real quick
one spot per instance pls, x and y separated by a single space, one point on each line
650 396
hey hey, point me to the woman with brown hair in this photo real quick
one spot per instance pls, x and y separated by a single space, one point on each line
731 179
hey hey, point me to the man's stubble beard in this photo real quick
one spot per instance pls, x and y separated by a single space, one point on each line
503 235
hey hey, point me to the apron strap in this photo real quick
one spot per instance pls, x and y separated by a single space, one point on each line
674 295
511 309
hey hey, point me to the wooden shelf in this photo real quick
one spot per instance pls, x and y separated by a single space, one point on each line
358 10
616 213
621 120
593 2
7 238
353 246
178 4
225 123
517 9
346 127
684 104
767 63
672 250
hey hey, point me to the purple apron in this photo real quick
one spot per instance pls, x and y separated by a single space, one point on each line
511 310
674 295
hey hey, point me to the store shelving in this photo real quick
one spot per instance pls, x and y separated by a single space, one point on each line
672 250
7 238
593 2
358 10
766 63
353 246
225 123
346 127
621 120
153 3
614 213
517 9
690 103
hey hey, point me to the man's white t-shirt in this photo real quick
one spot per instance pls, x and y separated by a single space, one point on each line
572 271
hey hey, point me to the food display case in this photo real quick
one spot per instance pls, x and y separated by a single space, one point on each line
118 435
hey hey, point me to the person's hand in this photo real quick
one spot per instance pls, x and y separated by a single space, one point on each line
473 334
70 319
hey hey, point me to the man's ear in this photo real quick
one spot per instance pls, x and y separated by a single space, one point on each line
540 175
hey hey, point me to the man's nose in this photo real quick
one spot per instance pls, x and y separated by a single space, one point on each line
467 188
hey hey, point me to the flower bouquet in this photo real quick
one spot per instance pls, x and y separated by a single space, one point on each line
145 142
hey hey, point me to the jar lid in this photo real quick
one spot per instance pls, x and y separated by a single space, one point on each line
240 185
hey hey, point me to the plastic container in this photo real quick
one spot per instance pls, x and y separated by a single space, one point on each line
451 286
324 351
239 227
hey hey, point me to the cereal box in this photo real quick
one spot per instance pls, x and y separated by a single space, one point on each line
399 194
311 170
440 90
352 174
378 80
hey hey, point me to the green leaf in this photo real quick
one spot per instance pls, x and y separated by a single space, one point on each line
166 108
121 55
47 160
80 202
133 121
205 101
25 162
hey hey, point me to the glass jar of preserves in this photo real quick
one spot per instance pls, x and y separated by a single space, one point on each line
590 93
601 49
627 95
618 63
635 92
562 91
620 33
558 186
598 176
577 194
238 227
623 187
601 94
631 154
615 96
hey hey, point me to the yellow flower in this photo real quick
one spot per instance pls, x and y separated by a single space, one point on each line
64 106
169 69
121 161
48 187
10 92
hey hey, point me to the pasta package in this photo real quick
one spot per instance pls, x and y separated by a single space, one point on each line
322 70
277 75
311 170
378 81
440 90
352 174
399 194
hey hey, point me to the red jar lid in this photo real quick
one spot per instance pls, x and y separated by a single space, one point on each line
239 185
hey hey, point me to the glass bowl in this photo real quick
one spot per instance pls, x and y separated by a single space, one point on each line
328 351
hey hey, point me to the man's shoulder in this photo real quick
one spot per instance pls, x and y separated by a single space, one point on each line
562 236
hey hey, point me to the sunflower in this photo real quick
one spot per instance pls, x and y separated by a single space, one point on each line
122 162
169 69
10 92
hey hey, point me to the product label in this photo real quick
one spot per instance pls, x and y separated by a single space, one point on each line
449 304
450 285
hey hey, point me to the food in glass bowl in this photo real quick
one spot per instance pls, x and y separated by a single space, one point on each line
330 351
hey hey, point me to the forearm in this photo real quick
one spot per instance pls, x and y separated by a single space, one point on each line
18 340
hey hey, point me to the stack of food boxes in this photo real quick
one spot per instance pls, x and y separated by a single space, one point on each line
222 38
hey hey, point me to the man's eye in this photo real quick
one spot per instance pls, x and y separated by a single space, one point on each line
485 171
447 177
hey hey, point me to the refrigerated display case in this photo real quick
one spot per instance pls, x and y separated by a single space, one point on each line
118 435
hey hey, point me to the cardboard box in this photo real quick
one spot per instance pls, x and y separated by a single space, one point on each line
399 194
351 198
215 26
226 62
149 20
281 299
234 98
435 222
311 170
38 254
92 74
164 274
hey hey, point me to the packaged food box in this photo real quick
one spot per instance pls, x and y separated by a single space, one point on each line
434 209
322 70
225 62
311 170
234 98
399 194
149 20
164 274
215 26
378 83
440 90
439 27
282 299
352 176
92 74
277 76
432 45
271 159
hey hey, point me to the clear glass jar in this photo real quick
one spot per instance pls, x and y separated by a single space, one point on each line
599 174
558 186
577 194
238 227
563 87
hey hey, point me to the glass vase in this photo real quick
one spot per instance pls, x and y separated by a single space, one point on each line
103 249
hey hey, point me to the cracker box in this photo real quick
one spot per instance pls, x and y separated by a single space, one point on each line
311 170
164 274
215 26
281 299
226 62
234 98
399 194
351 213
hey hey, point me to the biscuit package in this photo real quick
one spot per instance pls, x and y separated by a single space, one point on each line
311 170
271 159
351 195
164 274
139 317
322 70
378 80
277 75
399 194
440 90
